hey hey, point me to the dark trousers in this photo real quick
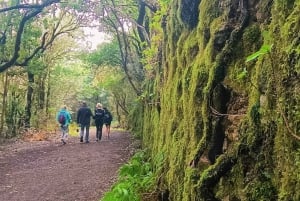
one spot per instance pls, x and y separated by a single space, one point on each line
99 126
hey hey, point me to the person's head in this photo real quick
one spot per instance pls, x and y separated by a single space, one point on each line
99 106
64 107
84 104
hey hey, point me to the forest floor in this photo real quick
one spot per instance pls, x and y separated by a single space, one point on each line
49 171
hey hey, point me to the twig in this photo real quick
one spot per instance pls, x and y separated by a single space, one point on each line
280 110
287 125
215 112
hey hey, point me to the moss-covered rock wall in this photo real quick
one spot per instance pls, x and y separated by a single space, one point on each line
226 129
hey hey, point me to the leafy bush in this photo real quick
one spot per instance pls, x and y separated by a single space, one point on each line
134 177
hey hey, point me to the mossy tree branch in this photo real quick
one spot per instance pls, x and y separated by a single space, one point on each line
212 176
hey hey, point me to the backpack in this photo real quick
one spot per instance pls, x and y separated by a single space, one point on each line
108 116
62 118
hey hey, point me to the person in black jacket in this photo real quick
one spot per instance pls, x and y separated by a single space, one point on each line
107 120
99 115
84 115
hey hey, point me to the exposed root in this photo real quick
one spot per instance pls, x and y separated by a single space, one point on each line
207 183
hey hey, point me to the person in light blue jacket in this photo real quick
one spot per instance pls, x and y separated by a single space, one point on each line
63 117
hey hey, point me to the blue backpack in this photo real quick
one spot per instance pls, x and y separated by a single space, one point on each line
62 118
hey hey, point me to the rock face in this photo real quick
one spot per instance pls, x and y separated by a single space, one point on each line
227 129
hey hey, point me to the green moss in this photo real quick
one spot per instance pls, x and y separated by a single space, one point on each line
252 40
181 129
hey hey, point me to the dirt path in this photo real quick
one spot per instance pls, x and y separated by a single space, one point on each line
50 171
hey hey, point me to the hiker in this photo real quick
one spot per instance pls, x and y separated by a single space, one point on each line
64 119
99 115
107 120
84 115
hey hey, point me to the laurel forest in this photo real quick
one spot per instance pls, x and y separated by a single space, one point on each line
209 87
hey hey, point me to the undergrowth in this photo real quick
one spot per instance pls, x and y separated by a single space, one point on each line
134 178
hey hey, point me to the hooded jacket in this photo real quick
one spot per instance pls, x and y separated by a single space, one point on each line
67 116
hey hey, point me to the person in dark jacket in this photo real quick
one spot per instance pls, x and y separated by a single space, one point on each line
99 115
84 115
107 120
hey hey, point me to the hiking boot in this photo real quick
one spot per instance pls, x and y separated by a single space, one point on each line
81 139
62 140
87 142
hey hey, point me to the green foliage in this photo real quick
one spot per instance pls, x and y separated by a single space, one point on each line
136 118
150 60
75 4
71 81
262 51
242 75
297 162
252 37
110 79
14 114
134 177
260 190
108 54
265 48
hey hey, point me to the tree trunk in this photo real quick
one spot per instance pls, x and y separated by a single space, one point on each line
29 99
41 92
118 113
4 99
47 104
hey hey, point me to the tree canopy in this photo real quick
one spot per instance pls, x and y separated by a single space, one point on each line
37 44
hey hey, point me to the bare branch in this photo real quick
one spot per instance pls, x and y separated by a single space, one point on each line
27 16
29 6
25 62
47 39
15 56
286 122
152 7
218 114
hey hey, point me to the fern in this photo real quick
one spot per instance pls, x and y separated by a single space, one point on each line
134 177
